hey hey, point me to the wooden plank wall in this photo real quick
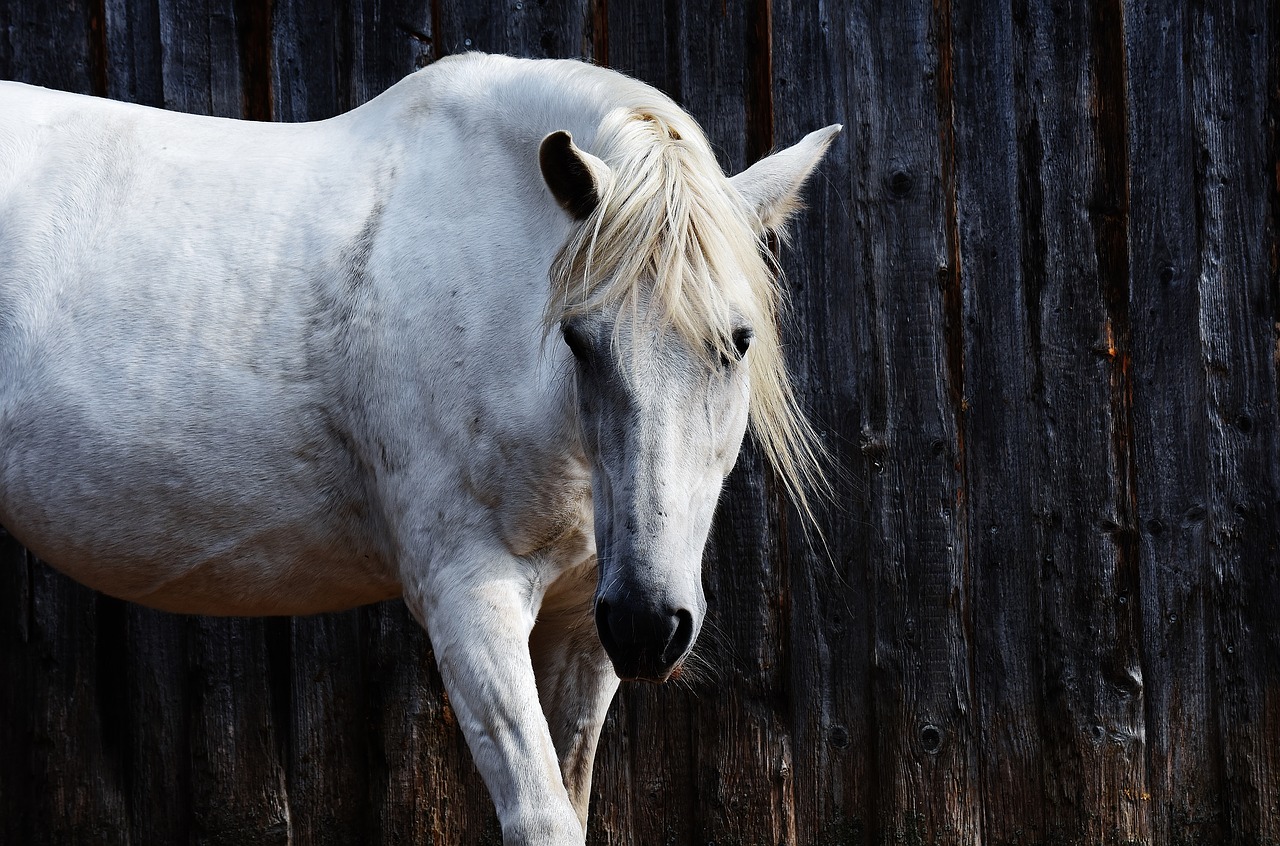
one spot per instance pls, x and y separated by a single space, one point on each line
1036 310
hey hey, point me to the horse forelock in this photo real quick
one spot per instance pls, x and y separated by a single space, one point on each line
672 244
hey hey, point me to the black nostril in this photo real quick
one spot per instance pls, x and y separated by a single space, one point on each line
603 628
682 639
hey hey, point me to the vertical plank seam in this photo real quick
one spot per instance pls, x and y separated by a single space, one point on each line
1272 236
438 48
279 662
760 117
1115 258
30 564
759 142
111 682
253 22
673 42
344 48
1030 167
98 52
599 22
952 290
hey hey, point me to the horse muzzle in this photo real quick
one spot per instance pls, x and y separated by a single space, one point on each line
644 641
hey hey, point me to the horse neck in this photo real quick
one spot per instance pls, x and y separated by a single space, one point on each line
468 233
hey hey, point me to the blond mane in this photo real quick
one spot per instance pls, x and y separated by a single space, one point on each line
671 231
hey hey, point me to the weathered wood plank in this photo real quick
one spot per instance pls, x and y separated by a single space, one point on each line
57 717
1170 435
921 651
1074 193
897 81
199 60
52 713
51 44
15 704
154 679
833 345
643 42
1002 459
329 57
328 779
238 779
311 46
520 27
134 52
1236 189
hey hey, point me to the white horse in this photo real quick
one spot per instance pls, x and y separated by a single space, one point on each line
257 368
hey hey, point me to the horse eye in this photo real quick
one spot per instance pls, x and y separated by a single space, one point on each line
576 340
741 341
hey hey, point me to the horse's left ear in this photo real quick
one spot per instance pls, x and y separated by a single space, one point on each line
576 178
772 185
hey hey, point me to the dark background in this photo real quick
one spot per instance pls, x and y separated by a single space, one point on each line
1036 310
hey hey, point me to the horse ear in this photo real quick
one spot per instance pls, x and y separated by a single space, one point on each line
772 185
576 178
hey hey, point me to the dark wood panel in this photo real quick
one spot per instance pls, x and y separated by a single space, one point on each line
1073 196
329 57
1170 436
57 45
15 707
237 770
134 50
901 365
520 27
152 660
833 346
1236 185
1001 459
200 68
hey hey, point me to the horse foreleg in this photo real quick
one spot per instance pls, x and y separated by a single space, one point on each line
479 630
576 683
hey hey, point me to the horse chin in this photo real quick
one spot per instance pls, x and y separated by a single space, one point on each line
651 677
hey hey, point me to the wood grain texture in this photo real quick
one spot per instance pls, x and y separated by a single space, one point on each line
1035 298
1002 464
1073 196
1231 44
1170 437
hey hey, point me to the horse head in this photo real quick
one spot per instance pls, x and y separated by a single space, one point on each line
666 298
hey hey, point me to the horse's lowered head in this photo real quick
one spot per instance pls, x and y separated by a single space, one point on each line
666 297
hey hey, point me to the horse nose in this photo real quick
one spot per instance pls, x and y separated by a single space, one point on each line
643 642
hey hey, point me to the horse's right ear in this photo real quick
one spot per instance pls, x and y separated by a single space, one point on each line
576 178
